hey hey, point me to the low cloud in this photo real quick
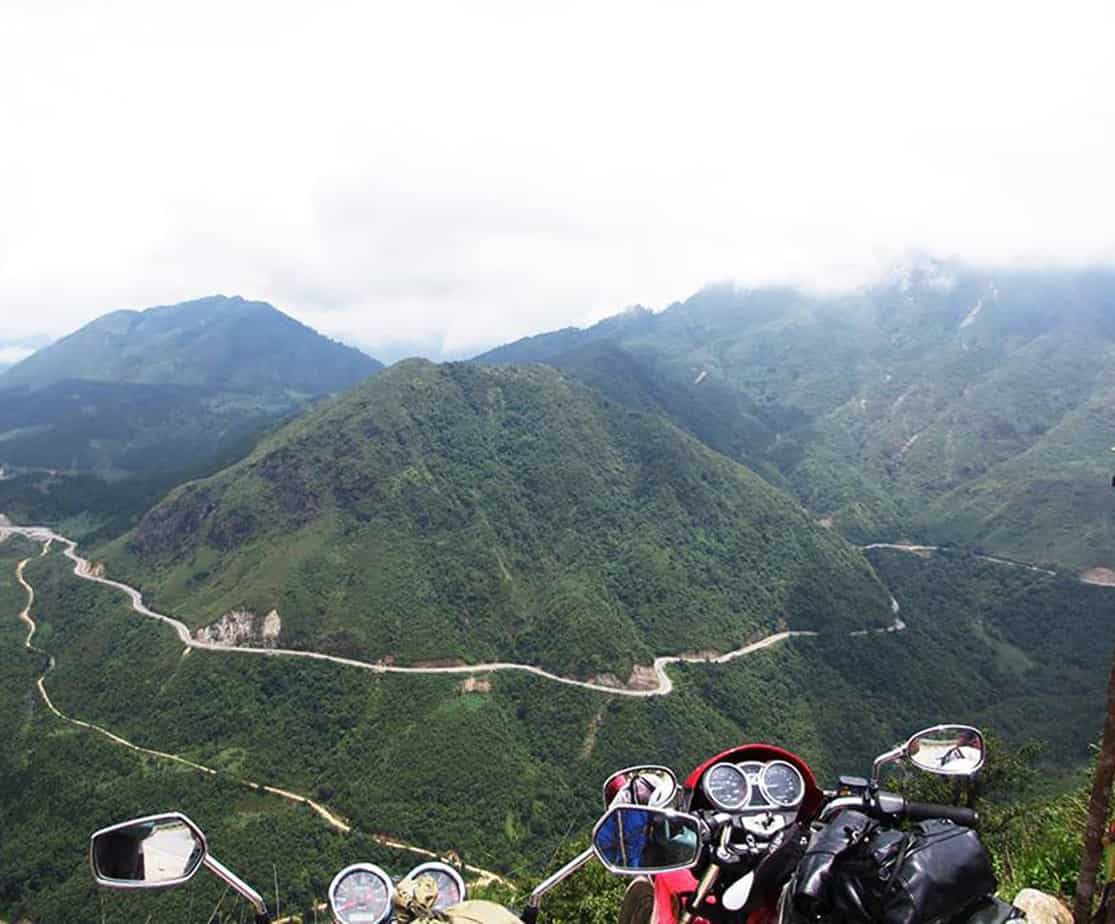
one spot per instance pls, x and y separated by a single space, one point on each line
10 355
456 175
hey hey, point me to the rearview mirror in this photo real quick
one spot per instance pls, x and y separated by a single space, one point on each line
632 839
147 853
641 785
949 750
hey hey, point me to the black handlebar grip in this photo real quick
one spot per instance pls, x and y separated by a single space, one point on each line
923 811
530 914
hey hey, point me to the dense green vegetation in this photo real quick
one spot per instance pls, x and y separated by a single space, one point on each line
147 393
963 405
508 774
487 514
465 512
60 783
117 430
91 509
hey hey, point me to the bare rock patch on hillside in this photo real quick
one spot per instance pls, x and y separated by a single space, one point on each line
242 627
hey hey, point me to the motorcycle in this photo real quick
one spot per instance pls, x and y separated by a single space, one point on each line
729 844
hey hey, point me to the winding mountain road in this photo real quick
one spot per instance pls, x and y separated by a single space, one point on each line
335 821
663 684
994 559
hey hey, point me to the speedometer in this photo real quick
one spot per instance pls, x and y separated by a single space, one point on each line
727 787
782 784
361 894
450 886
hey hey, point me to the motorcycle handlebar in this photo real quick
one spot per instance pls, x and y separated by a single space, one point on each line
883 805
922 811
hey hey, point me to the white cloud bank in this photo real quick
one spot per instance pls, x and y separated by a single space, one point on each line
10 355
465 173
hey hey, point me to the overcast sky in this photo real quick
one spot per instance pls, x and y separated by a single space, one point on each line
458 174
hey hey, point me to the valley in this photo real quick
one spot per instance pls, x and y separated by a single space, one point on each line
166 710
433 611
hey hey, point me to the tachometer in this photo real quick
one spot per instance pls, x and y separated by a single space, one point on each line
782 784
450 886
727 787
361 894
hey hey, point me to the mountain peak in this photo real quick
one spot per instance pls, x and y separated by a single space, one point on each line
220 341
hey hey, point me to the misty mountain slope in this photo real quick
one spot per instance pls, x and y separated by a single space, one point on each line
472 513
161 390
894 409
215 342
125 429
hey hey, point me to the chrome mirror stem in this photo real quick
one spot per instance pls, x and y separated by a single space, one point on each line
535 900
894 754
230 879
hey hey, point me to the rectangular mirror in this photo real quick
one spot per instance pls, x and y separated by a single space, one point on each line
632 839
150 852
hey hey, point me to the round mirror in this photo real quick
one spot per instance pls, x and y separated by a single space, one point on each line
641 785
631 839
159 850
949 750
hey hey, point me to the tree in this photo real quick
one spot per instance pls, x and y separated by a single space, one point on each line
1098 809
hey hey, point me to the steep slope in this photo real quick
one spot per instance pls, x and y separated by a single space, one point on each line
459 512
216 342
162 390
948 401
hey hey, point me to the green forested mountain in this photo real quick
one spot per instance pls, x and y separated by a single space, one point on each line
137 393
217 342
468 512
948 403
486 514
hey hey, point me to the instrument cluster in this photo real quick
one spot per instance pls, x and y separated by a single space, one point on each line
774 785
364 894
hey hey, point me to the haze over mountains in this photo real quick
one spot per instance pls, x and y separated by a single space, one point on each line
947 403
216 342
137 392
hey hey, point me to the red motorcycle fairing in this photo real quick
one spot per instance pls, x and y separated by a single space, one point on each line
671 890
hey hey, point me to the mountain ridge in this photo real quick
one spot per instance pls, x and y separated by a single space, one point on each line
142 392
904 408
455 511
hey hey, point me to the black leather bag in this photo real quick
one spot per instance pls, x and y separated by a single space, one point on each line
818 871
931 874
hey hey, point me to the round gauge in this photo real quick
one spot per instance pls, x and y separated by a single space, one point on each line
782 784
727 787
361 894
450 886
